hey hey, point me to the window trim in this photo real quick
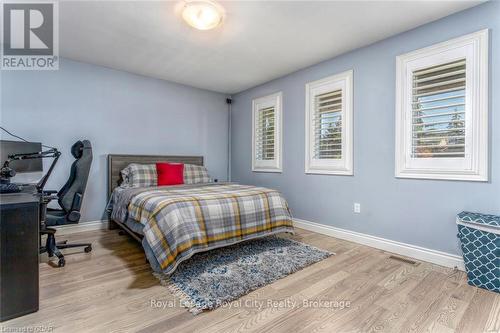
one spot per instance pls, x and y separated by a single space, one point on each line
344 166
475 165
275 165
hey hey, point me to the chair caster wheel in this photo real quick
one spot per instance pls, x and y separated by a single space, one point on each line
121 233
88 249
61 262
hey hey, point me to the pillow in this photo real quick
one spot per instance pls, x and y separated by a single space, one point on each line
195 174
139 175
170 173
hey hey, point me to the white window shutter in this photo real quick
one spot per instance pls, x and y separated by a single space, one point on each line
442 110
438 111
327 123
266 152
265 133
329 147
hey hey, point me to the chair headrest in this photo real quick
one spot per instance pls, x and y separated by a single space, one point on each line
78 147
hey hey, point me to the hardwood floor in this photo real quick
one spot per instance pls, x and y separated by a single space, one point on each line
360 289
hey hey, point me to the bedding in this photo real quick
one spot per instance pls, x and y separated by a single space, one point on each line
139 175
179 221
143 175
196 174
170 173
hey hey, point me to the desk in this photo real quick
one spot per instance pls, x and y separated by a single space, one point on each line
19 246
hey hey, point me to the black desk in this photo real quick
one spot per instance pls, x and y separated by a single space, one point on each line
19 246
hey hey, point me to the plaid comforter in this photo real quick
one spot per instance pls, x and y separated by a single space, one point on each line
181 221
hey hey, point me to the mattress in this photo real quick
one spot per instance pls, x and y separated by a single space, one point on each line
179 221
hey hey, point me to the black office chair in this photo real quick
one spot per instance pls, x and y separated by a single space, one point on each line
70 199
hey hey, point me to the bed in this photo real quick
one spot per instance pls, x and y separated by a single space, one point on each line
175 222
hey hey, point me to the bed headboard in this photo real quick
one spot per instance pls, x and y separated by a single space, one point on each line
117 163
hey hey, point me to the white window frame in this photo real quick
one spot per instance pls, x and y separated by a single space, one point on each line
260 103
474 166
343 166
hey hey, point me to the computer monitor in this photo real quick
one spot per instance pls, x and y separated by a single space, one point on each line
27 171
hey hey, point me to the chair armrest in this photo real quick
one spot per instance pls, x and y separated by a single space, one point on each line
48 195
49 191
48 198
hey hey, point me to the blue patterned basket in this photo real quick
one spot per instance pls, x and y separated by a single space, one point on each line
480 239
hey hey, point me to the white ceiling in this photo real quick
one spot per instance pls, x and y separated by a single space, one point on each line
258 41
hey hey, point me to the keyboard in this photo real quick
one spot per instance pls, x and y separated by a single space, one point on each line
10 188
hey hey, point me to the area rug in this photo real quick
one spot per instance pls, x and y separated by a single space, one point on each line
217 277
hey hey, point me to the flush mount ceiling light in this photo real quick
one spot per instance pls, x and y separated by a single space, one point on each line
202 14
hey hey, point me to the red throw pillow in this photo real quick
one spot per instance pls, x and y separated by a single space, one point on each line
170 173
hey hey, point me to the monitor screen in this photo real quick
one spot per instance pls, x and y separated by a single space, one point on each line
16 147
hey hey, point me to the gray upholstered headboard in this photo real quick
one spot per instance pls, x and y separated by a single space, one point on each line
117 163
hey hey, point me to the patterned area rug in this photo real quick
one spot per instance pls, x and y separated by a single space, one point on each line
217 277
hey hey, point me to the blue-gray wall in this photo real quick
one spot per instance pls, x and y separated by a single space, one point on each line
419 212
119 113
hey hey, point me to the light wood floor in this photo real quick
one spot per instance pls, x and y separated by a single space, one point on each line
111 290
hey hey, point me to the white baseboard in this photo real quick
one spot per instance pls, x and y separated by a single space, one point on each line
408 250
82 226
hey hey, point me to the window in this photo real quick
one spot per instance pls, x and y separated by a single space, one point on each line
442 111
329 125
267 133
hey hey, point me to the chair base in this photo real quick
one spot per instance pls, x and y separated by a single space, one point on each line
53 248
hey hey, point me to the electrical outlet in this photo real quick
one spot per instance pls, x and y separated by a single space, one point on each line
357 207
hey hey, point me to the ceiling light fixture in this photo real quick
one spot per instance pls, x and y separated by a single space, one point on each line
202 14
